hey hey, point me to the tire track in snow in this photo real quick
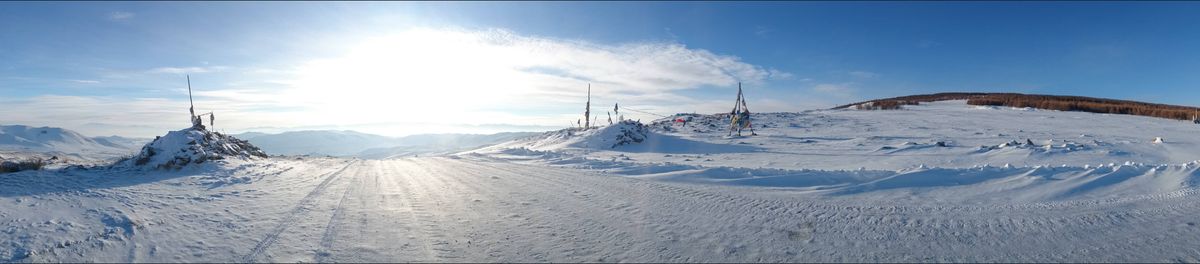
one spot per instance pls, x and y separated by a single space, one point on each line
648 223
428 193
468 195
557 213
519 201
290 218
327 239
418 216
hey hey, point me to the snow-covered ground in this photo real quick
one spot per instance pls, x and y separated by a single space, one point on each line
933 144
848 139
818 186
446 209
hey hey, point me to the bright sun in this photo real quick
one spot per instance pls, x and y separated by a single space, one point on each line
419 76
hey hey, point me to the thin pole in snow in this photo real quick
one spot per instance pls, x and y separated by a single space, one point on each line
191 103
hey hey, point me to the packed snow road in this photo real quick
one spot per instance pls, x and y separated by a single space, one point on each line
458 210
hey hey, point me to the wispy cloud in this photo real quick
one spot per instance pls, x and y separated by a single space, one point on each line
121 116
120 15
466 74
85 81
774 74
762 31
185 70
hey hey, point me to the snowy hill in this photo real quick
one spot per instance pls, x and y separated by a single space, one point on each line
352 143
17 141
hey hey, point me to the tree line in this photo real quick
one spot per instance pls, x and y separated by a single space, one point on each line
1049 102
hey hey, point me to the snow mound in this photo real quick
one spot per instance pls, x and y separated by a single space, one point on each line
622 133
191 146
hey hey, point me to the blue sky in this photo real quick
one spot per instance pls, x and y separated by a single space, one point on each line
403 68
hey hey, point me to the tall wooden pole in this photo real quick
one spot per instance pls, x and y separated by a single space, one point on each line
191 104
742 98
738 100
587 113
189 83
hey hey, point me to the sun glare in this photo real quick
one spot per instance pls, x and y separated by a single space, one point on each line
415 76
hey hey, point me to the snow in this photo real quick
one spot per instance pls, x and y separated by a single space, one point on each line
191 146
942 181
848 139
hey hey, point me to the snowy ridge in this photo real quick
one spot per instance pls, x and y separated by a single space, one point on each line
191 146
18 142
45 138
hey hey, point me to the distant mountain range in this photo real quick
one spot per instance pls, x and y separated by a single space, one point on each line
435 144
358 144
60 141
19 141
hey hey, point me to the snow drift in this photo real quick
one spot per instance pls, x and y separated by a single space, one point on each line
622 133
192 146
623 137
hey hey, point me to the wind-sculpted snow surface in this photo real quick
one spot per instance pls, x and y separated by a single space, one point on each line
983 183
474 209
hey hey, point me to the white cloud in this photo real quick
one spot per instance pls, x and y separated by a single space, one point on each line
137 117
417 80
186 70
762 31
123 116
85 81
774 74
428 75
120 15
